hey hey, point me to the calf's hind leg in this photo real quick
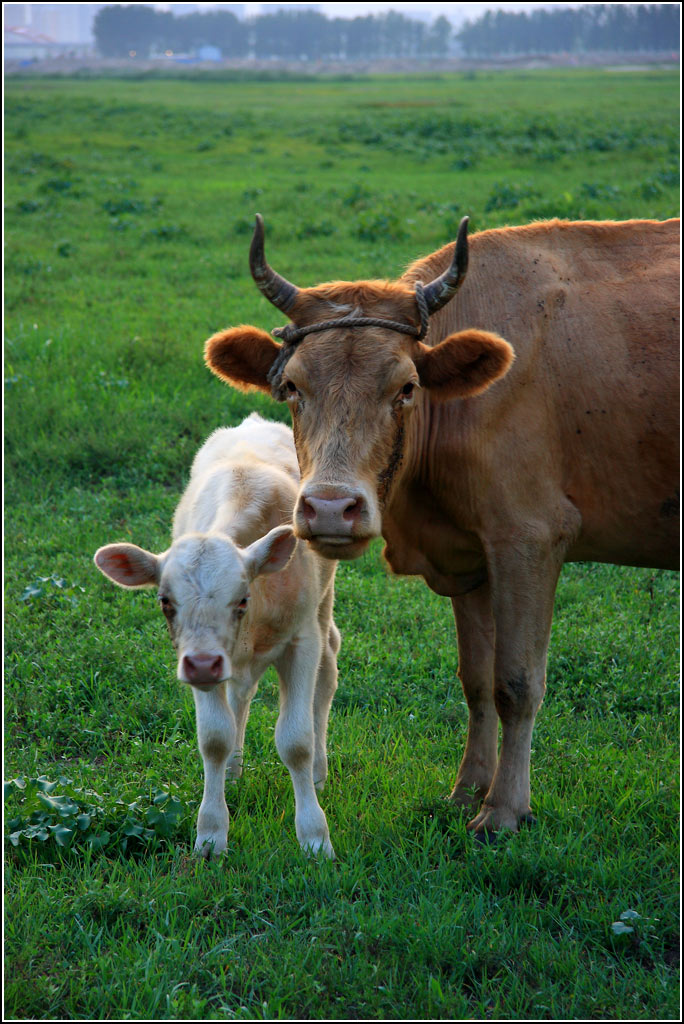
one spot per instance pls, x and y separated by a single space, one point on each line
239 704
295 739
216 733
326 685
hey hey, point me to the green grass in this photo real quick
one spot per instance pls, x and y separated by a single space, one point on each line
129 208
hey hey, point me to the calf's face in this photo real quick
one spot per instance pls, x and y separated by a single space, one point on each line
203 582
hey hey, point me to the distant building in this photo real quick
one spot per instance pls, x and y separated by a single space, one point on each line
59 23
23 44
209 53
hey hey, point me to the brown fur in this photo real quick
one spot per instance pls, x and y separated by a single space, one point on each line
464 364
495 472
242 356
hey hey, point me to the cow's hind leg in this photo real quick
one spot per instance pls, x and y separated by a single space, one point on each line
297 670
216 733
475 626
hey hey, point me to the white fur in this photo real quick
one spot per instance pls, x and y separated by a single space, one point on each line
232 541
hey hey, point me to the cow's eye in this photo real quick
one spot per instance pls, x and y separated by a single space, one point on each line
406 393
291 389
166 604
241 606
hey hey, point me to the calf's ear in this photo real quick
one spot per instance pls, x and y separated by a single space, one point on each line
242 356
270 553
128 565
464 364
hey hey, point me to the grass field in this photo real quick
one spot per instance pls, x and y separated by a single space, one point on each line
129 209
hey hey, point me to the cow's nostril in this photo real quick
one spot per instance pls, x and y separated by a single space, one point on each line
308 511
335 516
354 510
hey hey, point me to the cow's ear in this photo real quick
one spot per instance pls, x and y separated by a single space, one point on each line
242 356
128 565
464 364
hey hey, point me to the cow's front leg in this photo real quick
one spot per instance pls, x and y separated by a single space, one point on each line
475 626
523 579
294 735
216 734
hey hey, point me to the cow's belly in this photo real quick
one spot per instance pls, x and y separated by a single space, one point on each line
650 541
630 513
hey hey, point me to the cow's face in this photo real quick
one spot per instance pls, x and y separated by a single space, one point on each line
352 390
352 394
204 583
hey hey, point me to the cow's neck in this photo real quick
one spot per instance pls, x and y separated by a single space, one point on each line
428 521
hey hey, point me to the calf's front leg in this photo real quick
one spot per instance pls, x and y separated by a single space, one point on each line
294 735
216 734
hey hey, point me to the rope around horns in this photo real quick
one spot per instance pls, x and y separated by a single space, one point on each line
291 335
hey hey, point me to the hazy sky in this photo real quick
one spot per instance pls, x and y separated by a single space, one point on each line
456 12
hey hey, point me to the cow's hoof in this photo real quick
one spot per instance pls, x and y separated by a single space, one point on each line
466 798
495 819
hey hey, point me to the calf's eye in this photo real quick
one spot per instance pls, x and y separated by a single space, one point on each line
241 607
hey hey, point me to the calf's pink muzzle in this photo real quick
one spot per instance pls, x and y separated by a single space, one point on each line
202 669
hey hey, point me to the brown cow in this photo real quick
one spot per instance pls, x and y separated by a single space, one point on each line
485 472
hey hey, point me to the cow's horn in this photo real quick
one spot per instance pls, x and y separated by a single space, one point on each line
276 289
439 291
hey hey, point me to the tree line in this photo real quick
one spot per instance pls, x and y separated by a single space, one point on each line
290 34
297 34
594 27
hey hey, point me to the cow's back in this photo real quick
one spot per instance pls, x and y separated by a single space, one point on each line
590 408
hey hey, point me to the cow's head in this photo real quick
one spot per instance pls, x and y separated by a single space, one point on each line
203 582
353 369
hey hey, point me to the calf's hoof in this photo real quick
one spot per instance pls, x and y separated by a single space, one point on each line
319 848
208 846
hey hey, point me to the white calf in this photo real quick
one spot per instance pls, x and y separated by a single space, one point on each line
237 601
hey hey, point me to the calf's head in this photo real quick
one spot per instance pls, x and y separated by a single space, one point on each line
353 369
203 582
